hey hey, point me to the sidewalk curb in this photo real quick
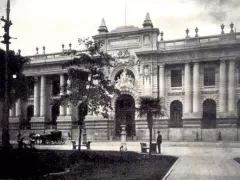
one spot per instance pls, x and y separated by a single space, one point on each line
170 170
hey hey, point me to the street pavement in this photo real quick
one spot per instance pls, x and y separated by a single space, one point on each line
197 160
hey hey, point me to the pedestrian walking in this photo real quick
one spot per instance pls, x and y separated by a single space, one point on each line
159 142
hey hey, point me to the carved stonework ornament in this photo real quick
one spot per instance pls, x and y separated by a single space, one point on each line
176 94
124 81
124 57
146 71
209 92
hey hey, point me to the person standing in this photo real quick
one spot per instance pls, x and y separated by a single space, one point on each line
159 142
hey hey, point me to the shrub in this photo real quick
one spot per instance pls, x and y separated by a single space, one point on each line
28 163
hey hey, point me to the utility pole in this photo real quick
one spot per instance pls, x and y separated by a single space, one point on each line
5 127
125 13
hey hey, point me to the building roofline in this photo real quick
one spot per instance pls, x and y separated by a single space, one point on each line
200 37
130 32
159 51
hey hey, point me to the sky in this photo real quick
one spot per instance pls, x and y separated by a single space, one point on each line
51 23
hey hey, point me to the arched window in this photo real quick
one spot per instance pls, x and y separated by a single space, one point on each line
209 114
176 115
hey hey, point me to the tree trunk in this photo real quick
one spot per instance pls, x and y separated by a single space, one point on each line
79 137
150 141
150 125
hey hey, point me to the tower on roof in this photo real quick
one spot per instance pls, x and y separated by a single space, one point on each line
102 28
147 22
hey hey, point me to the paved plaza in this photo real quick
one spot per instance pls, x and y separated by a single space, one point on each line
197 160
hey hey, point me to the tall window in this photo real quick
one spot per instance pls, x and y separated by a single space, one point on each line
31 85
176 115
209 77
55 114
55 86
176 78
238 113
238 76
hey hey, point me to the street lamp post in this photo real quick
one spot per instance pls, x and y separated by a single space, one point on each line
5 128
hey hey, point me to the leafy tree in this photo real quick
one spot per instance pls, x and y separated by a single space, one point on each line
150 107
90 89
18 86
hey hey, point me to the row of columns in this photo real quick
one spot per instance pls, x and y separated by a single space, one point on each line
62 108
192 103
16 109
40 99
226 103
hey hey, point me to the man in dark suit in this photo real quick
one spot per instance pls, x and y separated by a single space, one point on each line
159 142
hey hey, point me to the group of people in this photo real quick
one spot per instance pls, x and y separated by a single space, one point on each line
22 144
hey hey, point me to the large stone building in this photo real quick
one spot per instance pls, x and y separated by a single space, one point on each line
198 77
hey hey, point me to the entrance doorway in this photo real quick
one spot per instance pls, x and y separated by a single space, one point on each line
125 115
238 113
209 114
55 114
30 113
176 114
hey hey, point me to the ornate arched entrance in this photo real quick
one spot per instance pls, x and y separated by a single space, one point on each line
209 114
176 115
125 114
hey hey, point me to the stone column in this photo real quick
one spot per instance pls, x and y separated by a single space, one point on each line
43 96
222 87
12 111
18 108
69 108
231 87
187 87
36 97
84 136
161 81
196 90
61 108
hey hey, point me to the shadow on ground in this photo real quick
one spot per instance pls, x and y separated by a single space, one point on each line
70 164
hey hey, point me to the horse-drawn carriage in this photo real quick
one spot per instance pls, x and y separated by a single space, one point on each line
55 137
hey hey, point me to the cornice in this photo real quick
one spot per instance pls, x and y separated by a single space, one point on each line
142 53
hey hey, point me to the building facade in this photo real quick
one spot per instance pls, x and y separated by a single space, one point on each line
197 77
